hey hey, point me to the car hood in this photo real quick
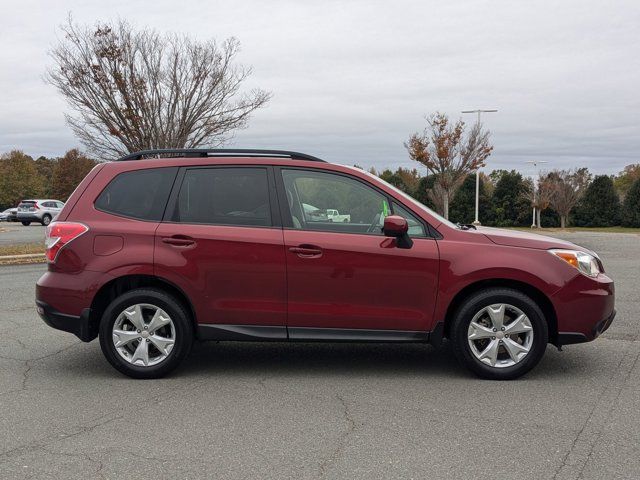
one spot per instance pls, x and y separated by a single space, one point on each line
515 238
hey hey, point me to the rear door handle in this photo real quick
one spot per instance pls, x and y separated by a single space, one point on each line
306 251
179 241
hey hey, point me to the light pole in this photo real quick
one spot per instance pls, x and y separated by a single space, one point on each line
479 112
535 164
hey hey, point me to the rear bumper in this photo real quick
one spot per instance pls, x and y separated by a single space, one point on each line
64 301
78 325
28 217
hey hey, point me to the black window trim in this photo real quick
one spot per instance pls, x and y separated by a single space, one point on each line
274 209
287 224
115 214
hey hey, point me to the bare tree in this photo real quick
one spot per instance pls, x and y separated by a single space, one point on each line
133 90
449 154
568 187
539 196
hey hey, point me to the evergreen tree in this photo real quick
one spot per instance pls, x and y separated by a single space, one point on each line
463 207
631 210
600 205
549 218
421 194
509 203
394 179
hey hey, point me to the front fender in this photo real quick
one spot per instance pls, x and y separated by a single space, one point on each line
463 264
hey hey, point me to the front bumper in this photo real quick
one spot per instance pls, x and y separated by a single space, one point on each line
78 325
585 308
568 338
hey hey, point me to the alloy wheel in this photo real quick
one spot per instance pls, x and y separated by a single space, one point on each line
500 335
143 334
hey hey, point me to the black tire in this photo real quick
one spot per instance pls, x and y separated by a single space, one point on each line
474 304
46 219
26 224
184 333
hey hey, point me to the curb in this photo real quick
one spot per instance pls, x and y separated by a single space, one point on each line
21 259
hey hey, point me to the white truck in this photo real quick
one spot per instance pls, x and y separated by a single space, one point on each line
334 216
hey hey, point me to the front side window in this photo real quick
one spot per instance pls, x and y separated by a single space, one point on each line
331 202
224 196
416 228
140 194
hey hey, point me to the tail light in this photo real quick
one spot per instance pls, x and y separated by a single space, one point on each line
59 234
35 206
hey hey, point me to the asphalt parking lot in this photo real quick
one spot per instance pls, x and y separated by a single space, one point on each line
12 233
320 410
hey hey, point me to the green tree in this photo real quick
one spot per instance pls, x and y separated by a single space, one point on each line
631 210
509 203
626 178
19 178
68 173
45 167
403 178
599 206
421 194
463 207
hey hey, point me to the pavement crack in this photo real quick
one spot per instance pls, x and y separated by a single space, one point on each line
52 438
583 445
28 365
342 442
99 465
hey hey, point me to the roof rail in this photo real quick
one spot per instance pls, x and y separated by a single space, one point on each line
217 152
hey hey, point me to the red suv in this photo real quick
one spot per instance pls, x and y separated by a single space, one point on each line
164 247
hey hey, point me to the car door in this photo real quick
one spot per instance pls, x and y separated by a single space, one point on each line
57 207
221 242
348 275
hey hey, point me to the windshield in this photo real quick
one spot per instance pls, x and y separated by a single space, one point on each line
414 202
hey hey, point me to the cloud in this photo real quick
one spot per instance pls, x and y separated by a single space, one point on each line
352 80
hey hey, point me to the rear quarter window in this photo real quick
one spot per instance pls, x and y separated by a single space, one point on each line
140 194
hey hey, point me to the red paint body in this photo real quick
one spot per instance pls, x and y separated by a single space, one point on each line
279 276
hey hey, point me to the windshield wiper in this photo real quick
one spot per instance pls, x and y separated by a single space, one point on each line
466 226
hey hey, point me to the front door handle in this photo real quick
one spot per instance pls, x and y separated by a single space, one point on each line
306 251
179 241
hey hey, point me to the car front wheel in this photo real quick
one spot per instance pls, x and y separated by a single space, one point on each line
46 220
499 333
145 333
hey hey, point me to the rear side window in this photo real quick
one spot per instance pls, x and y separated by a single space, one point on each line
224 196
140 194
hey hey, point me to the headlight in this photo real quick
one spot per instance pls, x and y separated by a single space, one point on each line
584 262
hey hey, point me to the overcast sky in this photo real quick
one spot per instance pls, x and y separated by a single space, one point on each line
352 80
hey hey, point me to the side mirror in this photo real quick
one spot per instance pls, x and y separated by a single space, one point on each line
398 227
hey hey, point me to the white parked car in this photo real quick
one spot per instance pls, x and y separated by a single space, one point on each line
314 214
38 210
9 215
334 216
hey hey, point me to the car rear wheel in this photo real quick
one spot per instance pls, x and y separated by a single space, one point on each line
145 333
46 219
26 224
499 333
